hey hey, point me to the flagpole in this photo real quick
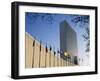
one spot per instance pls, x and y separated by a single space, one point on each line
50 57
54 58
57 59
58 56
46 55
40 55
60 59
33 53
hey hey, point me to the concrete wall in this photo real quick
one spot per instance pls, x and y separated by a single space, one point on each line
34 58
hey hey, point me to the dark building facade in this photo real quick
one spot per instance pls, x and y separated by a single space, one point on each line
68 41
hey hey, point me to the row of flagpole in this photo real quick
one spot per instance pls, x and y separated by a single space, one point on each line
46 51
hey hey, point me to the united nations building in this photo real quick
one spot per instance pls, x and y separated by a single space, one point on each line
68 42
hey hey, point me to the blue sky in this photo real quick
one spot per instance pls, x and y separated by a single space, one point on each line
48 33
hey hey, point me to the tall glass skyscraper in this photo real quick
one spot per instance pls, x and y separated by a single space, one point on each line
68 41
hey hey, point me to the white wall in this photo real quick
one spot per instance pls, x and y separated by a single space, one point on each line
5 40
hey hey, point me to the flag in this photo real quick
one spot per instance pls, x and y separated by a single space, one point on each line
50 48
54 52
61 52
46 49
40 45
33 43
58 51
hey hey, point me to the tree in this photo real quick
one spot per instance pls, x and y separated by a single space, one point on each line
46 17
83 21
